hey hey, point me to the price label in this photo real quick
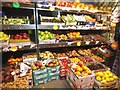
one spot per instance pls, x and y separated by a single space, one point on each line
52 9
55 27
96 42
13 73
78 43
13 48
87 42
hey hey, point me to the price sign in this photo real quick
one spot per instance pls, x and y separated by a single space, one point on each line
87 42
52 9
78 43
13 48
96 42
55 27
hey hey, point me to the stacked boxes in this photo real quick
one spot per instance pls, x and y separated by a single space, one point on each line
53 72
40 76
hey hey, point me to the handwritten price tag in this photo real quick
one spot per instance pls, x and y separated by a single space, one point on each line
96 42
52 9
87 42
78 43
55 27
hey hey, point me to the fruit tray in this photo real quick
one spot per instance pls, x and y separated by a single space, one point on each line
105 84
47 41
19 41
86 60
81 87
72 53
29 57
97 66
78 81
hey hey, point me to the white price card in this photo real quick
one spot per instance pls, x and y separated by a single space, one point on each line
87 42
96 42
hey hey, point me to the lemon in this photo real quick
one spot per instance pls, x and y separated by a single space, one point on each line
107 71
108 79
98 78
110 74
111 79
115 77
100 74
103 82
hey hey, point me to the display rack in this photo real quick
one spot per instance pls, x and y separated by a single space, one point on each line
33 28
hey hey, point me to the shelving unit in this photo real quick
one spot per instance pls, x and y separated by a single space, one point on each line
33 28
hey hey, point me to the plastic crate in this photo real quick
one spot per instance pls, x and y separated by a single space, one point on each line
53 69
36 72
38 82
50 78
38 77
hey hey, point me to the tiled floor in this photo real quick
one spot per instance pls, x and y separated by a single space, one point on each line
55 84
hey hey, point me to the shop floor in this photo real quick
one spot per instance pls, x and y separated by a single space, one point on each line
55 84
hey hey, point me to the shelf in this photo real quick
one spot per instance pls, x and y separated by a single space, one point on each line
69 44
20 47
22 6
71 27
18 27
54 45
68 9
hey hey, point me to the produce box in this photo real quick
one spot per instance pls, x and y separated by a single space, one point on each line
63 66
52 76
29 57
105 78
39 72
38 82
53 69
19 41
84 87
78 81
46 41
40 77
86 60
97 66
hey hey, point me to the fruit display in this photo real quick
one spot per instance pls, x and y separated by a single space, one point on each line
52 63
59 54
72 53
46 55
74 60
15 21
6 74
22 37
61 37
14 60
86 60
29 56
105 77
85 52
3 36
45 35
37 65
97 66
74 35
97 58
19 83
69 19
80 69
